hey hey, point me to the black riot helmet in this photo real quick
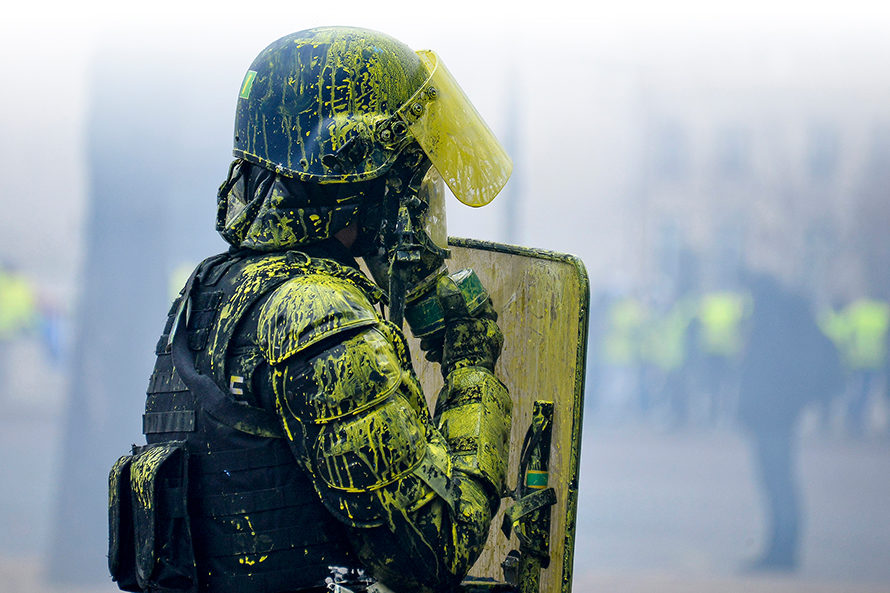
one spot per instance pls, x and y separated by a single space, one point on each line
360 128
340 104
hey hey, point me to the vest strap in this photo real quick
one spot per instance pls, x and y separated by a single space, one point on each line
158 422
236 460
167 381
273 540
214 400
245 503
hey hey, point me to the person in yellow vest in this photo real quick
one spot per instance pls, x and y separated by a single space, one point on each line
834 323
18 304
664 351
860 332
18 314
717 344
625 319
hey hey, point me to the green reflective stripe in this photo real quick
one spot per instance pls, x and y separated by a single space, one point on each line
247 84
536 479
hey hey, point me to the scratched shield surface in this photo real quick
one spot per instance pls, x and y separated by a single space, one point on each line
542 302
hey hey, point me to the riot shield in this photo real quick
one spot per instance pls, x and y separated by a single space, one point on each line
542 300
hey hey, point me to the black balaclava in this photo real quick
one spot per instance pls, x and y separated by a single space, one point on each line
265 211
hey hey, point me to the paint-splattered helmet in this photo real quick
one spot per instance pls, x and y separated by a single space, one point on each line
340 104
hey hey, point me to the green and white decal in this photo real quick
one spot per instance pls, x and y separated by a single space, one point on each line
247 85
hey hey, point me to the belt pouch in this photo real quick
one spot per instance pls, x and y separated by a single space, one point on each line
121 543
164 557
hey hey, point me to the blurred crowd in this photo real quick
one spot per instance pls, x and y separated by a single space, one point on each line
757 358
706 358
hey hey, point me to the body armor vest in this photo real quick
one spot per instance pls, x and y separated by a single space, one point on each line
256 522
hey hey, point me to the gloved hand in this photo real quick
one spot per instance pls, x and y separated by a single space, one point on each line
465 298
419 278
469 339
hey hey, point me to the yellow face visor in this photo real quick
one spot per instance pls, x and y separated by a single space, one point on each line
454 136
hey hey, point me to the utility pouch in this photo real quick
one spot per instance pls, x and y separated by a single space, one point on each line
121 542
150 533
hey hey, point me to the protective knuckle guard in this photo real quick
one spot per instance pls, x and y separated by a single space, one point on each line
474 414
471 342
451 299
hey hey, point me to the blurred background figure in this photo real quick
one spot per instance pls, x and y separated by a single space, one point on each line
716 345
787 364
859 331
665 356
18 317
618 343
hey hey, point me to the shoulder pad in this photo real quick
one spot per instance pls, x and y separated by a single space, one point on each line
346 378
307 309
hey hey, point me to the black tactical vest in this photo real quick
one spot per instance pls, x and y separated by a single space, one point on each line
256 522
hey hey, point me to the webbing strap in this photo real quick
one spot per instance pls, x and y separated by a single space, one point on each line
245 503
165 381
236 460
158 422
214 400
273 540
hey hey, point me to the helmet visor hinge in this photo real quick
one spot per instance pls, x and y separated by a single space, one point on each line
348 156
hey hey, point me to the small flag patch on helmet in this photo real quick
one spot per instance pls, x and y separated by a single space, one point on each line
247 84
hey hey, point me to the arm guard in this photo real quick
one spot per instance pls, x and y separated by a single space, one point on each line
418 499
473 414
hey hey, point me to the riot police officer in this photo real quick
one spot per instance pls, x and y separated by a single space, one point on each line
289 444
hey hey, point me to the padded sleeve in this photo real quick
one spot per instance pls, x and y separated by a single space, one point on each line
309 309
419 506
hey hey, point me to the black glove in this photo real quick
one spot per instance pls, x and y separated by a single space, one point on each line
468 339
